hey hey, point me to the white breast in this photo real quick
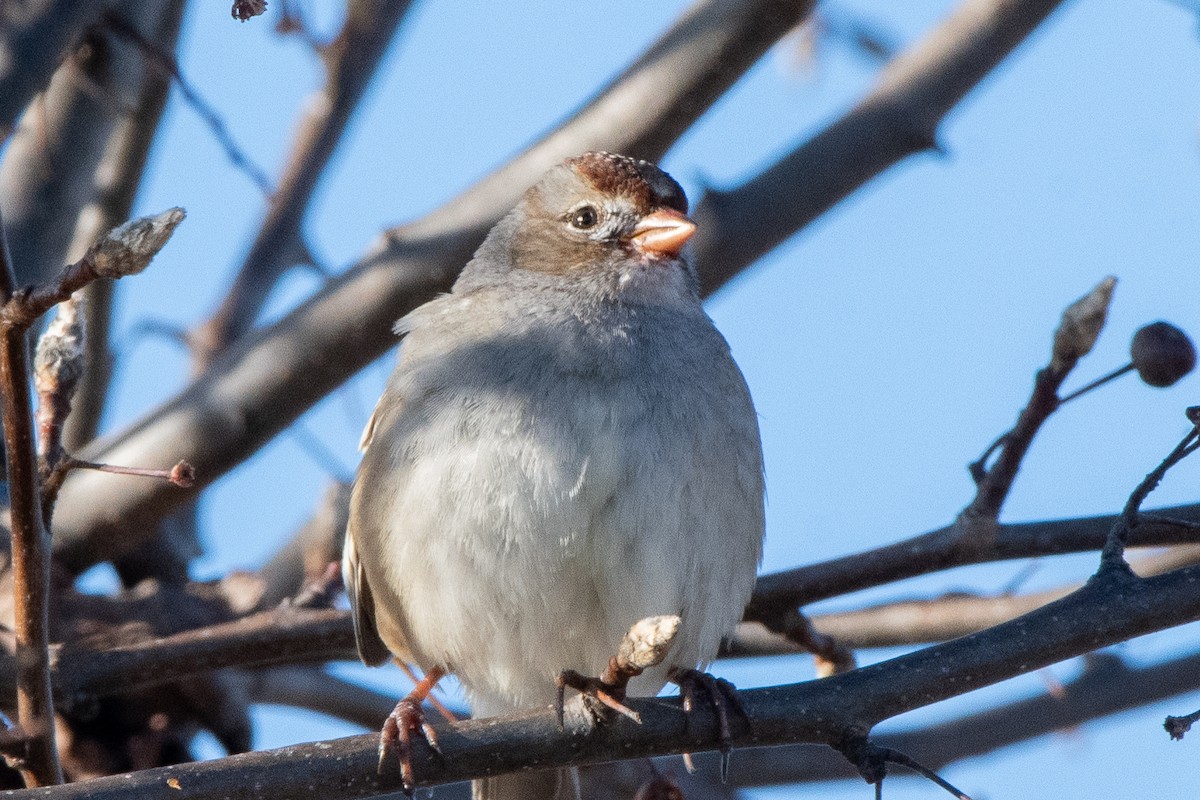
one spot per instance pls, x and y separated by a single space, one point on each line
547 491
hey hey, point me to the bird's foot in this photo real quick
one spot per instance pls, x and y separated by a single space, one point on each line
607 691
722 695
407 721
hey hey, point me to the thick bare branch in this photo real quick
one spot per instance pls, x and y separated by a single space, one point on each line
30 547
285 635
306 555
823 711
935 620
922 621
1107 686
263 384
351 61
897 119
944 548
249 642
34 36
48 174
115 185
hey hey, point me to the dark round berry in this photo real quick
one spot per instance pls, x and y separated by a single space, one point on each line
1162 353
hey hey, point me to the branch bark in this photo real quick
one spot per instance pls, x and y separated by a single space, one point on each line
33 38
899 118
1107 686
30 547
286 635
824 712
115 186
945 548
48 174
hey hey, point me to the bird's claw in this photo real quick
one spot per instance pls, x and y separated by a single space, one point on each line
723 696
395 740
607 695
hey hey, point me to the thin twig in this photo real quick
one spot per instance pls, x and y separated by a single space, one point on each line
351 60
1112 557
166 62
115 184
1077 332
30 547
871 761
894 756
1103 379
831 655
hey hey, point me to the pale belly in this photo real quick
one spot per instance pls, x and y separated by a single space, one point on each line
537 530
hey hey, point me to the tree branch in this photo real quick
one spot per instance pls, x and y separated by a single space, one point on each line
1106 686
164 60
49 171
30 546
1077 333
286 635
33 38
351 61
822 711
945 548
923 621
897 119
115 185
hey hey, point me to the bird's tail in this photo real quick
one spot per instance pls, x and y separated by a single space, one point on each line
554 784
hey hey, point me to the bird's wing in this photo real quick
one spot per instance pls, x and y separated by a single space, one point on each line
371 648
368 433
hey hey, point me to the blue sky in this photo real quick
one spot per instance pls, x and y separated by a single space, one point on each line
885 345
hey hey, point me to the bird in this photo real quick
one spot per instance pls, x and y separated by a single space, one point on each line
566 446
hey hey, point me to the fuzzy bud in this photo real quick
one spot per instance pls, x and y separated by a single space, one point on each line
182 475
1162 353
58 362
648 641
128 249
1081 325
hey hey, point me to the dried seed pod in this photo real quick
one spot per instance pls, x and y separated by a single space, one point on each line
127 249
1162 353
1081 324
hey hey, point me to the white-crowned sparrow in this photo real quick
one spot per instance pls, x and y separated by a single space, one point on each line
566 446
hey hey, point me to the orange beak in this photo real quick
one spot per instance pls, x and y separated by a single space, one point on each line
663 233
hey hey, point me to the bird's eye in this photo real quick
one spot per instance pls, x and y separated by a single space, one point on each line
584 218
